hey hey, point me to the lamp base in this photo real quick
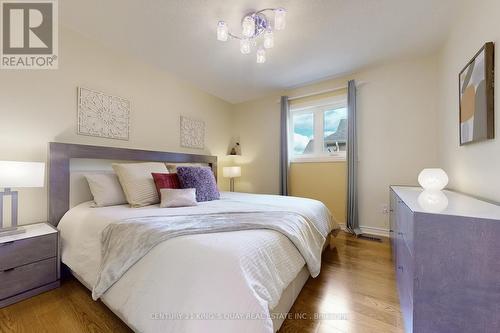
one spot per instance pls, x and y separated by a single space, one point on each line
4 232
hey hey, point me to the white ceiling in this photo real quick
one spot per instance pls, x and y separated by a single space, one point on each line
323 38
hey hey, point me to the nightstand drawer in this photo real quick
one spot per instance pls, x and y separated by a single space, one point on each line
21 279
25 251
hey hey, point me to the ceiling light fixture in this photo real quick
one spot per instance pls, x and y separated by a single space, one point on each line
254 25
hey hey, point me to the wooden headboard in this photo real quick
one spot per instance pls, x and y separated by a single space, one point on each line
60 155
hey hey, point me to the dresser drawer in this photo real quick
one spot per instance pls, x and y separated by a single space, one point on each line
405 275
404 224
408 233
21 279
25 251
392 224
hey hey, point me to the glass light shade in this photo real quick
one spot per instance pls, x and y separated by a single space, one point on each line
248 26
222 31
261 56
231 172
268 39
433 179
21 174
245 46
433 201
279 18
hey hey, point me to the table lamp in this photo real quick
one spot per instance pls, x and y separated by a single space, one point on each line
433 179
231 172
17 175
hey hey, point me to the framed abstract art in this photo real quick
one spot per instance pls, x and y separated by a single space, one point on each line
476 84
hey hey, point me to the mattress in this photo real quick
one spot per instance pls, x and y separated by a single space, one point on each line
196 283
278 313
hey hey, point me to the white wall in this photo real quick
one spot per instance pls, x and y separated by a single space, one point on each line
37 107
397 133
256 123
408 120
400 131
474 168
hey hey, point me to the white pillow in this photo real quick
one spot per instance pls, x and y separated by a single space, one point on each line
106 189
137 182
173 197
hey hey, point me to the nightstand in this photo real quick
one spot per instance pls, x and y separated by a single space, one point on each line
29 263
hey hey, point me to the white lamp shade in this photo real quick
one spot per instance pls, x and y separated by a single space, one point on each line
245 47
231 172
279 18
433 179
268 39
248 26
21 174
222 31
261 56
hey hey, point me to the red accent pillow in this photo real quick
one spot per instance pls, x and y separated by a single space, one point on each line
166 180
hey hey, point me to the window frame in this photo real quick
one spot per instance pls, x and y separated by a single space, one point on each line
318 109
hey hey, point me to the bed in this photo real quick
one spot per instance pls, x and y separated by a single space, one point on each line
243 281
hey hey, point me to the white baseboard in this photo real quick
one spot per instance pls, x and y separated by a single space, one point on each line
370 230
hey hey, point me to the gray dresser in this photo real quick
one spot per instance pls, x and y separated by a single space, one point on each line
446 251
29 263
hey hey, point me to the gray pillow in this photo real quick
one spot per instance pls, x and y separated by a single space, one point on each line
178 197
106 189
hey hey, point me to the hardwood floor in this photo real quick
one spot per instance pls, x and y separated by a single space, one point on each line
357 287
69 308
355 292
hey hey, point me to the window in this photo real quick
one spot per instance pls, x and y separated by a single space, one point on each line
335 130
303 132
319 133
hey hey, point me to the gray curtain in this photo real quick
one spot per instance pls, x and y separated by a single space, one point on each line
352 161
284 163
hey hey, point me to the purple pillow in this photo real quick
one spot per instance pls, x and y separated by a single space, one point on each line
200 178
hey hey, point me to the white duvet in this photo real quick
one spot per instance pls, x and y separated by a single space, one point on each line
195 283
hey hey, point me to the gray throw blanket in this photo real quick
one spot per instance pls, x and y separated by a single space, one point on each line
125 242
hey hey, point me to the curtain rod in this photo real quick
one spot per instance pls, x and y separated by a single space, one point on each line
358 83
317 93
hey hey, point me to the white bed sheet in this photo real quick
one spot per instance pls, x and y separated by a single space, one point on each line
197 276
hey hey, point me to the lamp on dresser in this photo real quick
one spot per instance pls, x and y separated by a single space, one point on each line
231 172
17 175
433 181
